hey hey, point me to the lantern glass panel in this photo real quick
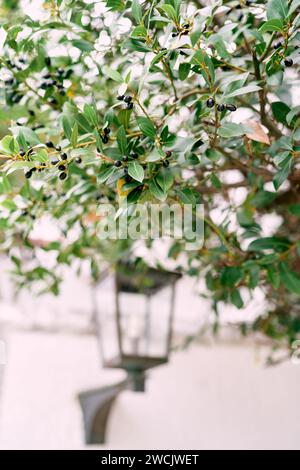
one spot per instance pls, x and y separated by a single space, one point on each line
134 315
106 320
145 321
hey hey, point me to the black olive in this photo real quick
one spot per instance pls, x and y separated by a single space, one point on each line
288 62
231 107
210 103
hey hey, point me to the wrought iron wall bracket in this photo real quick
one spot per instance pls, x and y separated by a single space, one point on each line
96 405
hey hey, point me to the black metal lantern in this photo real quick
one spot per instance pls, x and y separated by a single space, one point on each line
135 310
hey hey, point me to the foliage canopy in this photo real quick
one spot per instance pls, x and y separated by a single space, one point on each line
201 100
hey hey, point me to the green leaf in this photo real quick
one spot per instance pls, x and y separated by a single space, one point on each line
165 179
187 196
280 111
14 146
105 172
67 127
205 63
230 129
134 195
290 279
136 11
20 165
293 7
74 135
157 58
124 117
136 171
139 32
83 123
184 70
9 145
83 45
7 187
294 209
156 190
277 9
30 136
9 204
147 127
282 174
290 118
91 114
269 243
215 182
170 12
236 298
273 276
115 5
243 91
122 140
113 74
41 155
231 275
272 25
22 141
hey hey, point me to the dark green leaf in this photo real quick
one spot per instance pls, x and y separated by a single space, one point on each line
136 171
147 127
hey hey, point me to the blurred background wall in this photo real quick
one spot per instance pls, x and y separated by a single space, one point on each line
217 393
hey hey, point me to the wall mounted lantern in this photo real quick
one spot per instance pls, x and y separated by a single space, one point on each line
134 311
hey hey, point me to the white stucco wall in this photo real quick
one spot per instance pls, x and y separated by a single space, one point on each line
208 397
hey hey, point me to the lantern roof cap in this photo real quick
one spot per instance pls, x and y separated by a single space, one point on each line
139 278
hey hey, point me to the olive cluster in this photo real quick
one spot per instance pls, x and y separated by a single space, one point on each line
53 81
165 161
127 99
105 135
126 159
210 103
123 163
182 30
13 94
288 62
60 161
